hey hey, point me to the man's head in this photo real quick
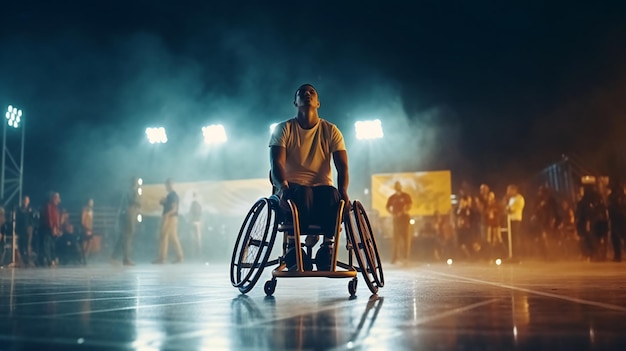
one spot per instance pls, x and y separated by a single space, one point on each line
397 186
26 201
90 202
169 184
306 96
55 198
484 189
511 190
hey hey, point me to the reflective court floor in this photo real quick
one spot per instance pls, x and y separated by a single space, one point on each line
477 306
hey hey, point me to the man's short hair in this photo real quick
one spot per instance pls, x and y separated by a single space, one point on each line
295 95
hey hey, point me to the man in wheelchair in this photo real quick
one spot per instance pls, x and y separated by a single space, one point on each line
300 152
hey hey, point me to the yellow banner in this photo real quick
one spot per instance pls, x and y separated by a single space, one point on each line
429 191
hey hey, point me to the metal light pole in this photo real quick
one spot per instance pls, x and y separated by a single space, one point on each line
13 119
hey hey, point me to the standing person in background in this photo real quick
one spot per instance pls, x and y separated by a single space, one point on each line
24 224
86 222
128 212
49 229
592 224
617 217
169 225
546 219
466 237
515 210
195 222
492 219
399 205
481 204
68 245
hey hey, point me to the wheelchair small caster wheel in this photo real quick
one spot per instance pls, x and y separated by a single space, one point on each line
352 286
270 287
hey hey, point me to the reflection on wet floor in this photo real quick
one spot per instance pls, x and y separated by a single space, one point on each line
529 306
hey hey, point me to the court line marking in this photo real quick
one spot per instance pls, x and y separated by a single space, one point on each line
450 312
138 307
535 292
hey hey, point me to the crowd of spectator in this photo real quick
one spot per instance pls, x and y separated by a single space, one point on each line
45 236
548 226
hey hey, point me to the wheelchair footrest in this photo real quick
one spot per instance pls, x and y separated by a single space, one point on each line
282 272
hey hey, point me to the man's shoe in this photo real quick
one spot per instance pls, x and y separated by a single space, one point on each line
158 261
324 256
128 263
179 260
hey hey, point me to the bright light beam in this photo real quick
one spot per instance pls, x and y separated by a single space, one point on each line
369 130
214 134
156 135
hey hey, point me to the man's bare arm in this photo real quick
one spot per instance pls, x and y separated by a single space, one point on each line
340 159
278 159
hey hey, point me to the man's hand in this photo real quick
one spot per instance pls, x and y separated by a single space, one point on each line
344 197
280 192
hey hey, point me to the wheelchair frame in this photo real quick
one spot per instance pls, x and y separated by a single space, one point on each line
254 246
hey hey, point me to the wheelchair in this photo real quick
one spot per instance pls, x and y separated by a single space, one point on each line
257 236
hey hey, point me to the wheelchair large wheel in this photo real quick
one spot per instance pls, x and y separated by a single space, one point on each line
358 248
254 245
369 244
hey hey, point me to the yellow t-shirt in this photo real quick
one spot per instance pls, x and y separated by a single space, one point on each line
309 151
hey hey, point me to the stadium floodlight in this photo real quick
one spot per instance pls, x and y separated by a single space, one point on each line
156 135
13 116
369 130
214 134
139 183
273 127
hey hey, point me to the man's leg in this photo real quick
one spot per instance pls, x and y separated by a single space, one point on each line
196 239
406 226
119 243
22 245
129 233
163 240
302 196
173 236
616 240
48 243
397 245
516 238
325 204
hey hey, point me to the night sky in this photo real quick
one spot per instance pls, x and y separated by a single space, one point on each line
493 91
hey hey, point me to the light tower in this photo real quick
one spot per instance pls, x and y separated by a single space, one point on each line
12 172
